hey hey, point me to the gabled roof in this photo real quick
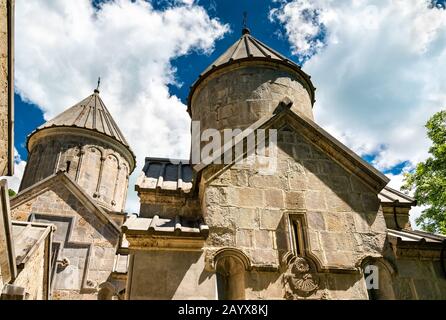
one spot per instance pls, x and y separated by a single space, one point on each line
42 186
392 196
165 175
317 136
248 48
176 227
91 114
157 177
415 236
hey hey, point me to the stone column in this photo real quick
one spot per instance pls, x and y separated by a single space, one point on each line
113 203
79 166
98 186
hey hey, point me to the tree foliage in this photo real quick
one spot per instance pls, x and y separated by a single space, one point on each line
428 180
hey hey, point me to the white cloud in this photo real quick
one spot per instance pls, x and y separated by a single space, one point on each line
19 169
396 181
63 46
380 74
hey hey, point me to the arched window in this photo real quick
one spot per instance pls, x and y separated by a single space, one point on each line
230 278
378 279
297 234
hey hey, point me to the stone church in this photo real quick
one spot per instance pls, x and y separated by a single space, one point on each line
324 225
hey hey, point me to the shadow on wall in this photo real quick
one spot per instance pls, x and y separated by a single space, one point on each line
160 275
344 192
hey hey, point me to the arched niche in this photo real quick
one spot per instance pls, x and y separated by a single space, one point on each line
378 276
91 166
109 178
231 266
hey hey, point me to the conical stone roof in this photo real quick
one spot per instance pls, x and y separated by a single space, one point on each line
248 48
90 113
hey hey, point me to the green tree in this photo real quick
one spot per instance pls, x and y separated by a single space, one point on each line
11 193
428 180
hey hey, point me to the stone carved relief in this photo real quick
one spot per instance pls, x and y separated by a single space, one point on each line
298 280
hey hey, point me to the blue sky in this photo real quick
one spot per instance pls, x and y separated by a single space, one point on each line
189 66
379 66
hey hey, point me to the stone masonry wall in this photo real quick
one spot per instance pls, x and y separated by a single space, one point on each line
82 159
3 88
238 97
168 206
32 277
88 229
249 211
170 275
419 278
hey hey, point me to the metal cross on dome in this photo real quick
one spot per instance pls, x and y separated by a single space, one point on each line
245 29
99 83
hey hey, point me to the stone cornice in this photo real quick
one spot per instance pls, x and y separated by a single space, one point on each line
125 151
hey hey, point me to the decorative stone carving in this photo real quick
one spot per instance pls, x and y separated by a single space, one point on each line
299 281
63 264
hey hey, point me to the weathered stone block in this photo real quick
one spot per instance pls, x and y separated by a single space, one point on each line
335 222
220 217
294 200
302 151
317 182
311 166
315 200
316 220
239 178
266 181
249 197
338 202
270 219
263 239
361 224
339 258
246 218
370 202
263 256
274 198
314 240
331 168
244 238
297 181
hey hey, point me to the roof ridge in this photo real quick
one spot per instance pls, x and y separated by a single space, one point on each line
401 194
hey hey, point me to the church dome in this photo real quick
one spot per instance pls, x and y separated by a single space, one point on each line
85 142
249 49
89 114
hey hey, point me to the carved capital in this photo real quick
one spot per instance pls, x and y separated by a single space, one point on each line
298 280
